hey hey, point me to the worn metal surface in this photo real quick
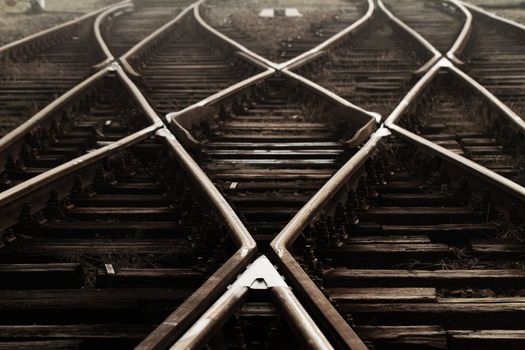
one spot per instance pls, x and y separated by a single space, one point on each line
316 323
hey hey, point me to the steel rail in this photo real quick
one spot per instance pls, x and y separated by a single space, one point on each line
485 13
157 35
510 188
260 275
301 59
139 97
150 40
512 116
183 133
307 289
266 62
349 173
10 48
504 184
369 126
49 176
367 119
436 55
445 64
13 138
113 11
300 321
467 9
200 301
421 41
241 235
18 133
462 40
319 50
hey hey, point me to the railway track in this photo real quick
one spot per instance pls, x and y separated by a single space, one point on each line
122 230
493 56
38 69
454 115
270 152
514 10
439 23
94 114
125 29
417 252
122 241
371 68
269 315
345 15
190 65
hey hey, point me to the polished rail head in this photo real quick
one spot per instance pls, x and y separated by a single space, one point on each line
139 97
478 171
48 177
313 208
113 11
299 60
228 41
350 172
436 55
512 116
13 139
491 15
475 169
194 306
182 318
368 127
315 52
329 94
174 118
467 10
463 38
18 133
302 219
367 120
445 64
416 90
156 35
289 234
200 300
261 275
241 235
25 41
150 39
